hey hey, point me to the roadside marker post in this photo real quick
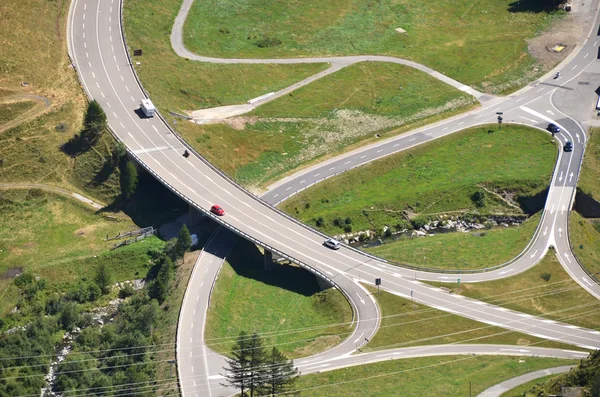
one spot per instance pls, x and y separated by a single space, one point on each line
378 284
500 119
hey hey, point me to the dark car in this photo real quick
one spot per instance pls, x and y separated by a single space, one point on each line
215 209
568 146
553 128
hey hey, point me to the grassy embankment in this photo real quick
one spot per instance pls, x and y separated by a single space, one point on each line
61 241
483 45
432 179
429 376
321 119
559 298
280 301
406 323
585 233
30 145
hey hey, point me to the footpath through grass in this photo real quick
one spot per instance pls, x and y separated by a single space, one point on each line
337 112
545 290
420 377
177 84
440 176
456 250
280 301
406 323
61 241
482 44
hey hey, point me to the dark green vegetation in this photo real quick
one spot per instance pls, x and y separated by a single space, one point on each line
246 297
263 372
474 250
545 290
430 376
405 323
586 375
482 44
437 177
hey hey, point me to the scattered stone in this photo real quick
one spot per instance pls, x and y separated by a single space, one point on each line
400 30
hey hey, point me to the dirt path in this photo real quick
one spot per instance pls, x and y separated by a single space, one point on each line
43 104
53 189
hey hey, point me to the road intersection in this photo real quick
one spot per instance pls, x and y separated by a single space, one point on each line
99 53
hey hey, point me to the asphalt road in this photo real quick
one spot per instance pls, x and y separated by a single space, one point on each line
501 388
99 55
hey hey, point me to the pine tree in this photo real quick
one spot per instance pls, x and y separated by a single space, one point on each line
258 359
280 373
103 278
184 242
237 371
129 180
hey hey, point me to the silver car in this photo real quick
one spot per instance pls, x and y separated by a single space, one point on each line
332 243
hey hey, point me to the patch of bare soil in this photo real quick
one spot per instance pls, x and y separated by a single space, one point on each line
564 32
11 273
239 123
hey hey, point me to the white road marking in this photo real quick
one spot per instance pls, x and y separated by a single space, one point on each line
110 38
118 68
84 35
132 98
303 180
83 16
84 44
197 297
122 79
586 281
83 25
411 139
357 339
110 28
112 48
532 255
89 63
530 120
108 103
444 129
84 6
347 162
520 99
117 117
87 55
331 169
461 123
192 326
288 188
109 19
567 256
574 67
97 85
541 89
379 151
276 195
93 75
315 175
102 93
586 55
362 157
396 145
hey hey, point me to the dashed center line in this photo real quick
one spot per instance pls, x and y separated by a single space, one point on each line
411 139
362 157
380 150
574 67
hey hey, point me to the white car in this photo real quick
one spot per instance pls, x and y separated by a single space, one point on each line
332 243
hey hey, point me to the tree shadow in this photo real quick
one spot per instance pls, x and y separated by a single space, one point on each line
80 143
533 204
247 261
536 6
105 172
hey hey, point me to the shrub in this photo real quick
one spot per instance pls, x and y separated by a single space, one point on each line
478 198
348 221
348 228
419 222
388 232
337 221
320 221
126 291
546 276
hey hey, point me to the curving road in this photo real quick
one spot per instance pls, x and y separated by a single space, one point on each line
501 388
99 54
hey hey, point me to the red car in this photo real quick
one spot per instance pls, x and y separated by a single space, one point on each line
215 209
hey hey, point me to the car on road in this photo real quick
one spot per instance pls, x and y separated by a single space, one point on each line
332 243
553 128
568 146
215 209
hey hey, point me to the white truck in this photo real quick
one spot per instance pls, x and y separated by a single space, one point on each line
148 108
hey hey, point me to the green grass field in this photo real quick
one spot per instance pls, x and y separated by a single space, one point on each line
281 302
585 241
590 169
474 250
559 298
439 176
482 43
61 241
178 84
342 110
406 323
422 377
385 89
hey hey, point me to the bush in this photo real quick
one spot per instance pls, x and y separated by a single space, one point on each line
320 221
348 229
84 292
546 276
478 198
348 221
388 232
339 222
419 222
24 280
126 291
